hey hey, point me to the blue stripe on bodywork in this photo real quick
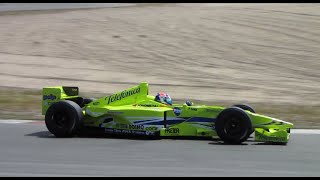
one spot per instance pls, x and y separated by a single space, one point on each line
177 121
174 121
201 119
139 121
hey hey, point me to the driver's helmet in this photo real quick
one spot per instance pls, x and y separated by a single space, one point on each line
164 98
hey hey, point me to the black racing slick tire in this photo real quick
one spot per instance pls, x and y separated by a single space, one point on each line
63 118
245 107
233 125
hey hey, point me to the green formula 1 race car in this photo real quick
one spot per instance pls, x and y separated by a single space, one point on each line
135 112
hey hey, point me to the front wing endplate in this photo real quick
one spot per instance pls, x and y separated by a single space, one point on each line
271 135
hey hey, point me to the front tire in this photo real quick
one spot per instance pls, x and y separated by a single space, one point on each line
63 119
248 108
233 125
245 107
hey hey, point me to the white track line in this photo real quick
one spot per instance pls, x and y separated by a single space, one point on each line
293 131
305 131
15 121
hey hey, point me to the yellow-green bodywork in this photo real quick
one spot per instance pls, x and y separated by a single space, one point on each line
134 111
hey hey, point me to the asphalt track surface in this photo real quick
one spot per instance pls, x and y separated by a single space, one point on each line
46 6
28 149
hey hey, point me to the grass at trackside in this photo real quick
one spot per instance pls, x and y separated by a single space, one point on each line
20 103
16 103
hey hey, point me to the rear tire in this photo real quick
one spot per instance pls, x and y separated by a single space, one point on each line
63 119
233 125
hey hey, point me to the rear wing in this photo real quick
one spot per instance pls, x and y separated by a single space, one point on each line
131 95
55 94
128 96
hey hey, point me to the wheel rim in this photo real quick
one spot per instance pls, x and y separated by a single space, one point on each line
60 119
233 126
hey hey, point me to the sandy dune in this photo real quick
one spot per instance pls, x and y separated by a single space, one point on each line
235 52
